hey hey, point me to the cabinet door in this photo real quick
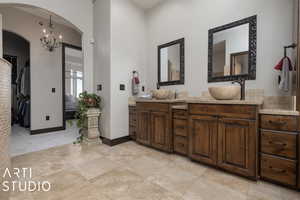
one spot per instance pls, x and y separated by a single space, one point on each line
298 161
203 132
237 146
132 123
143 127
160 131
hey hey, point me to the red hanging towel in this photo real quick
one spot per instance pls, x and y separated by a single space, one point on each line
279 65
136 80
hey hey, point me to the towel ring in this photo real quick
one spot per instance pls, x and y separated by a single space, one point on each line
292 46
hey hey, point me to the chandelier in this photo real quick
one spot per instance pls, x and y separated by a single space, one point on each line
50 40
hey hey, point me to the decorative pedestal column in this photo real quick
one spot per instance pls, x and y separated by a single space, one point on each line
91 134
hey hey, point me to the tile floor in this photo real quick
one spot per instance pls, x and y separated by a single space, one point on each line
21 142
133 172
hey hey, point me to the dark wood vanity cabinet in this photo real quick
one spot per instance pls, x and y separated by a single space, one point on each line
160 130
132 122
154 125
143 127
279 149
203 134
225 136
237 146
180 131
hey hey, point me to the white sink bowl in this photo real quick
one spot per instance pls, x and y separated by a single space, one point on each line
229 92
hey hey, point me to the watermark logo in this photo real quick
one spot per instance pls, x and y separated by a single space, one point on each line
21 180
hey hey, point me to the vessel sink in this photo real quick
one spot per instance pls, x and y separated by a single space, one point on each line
229 92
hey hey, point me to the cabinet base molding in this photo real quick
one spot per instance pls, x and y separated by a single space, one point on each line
116 141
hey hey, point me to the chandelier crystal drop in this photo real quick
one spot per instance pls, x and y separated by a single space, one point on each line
50 40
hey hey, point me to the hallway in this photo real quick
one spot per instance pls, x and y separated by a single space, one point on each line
21 142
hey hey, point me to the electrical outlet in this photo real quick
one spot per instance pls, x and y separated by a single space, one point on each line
122 87
47 118
143 88
99 87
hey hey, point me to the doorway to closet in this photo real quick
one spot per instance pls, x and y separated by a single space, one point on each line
16 50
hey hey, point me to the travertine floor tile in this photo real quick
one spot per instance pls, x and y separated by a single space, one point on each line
146 166
174 179
186 164
287 194
124 184
234 182
97 167
264 191
133 172
207 190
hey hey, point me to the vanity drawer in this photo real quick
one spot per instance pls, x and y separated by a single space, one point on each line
279 170
132 118
180 114
132 133
180 127
160 107
279 123
280 144
180 145
231 111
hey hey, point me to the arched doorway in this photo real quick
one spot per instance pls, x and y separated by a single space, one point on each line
44 99
16 50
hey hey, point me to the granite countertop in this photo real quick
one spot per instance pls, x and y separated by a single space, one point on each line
279 112
257 101
160 101
132 103
203 100
180 107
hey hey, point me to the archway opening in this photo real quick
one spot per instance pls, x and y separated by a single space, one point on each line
16 50
41 110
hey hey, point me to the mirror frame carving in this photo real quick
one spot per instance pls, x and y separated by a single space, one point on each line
252 21
182 63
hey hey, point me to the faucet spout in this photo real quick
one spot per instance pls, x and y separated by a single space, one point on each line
242 83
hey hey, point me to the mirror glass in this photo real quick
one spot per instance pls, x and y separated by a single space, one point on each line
170 63
73 79
231 51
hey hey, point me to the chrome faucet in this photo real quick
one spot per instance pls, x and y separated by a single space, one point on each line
242 82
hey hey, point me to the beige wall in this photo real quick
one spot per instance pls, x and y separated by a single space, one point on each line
45 66
192 19
102 60
120 48
5 118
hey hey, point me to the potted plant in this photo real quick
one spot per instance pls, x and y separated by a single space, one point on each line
88 108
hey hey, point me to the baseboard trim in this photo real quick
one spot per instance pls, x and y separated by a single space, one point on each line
47 130
115 142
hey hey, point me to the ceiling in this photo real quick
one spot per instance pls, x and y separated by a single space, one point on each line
39 12
147 4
